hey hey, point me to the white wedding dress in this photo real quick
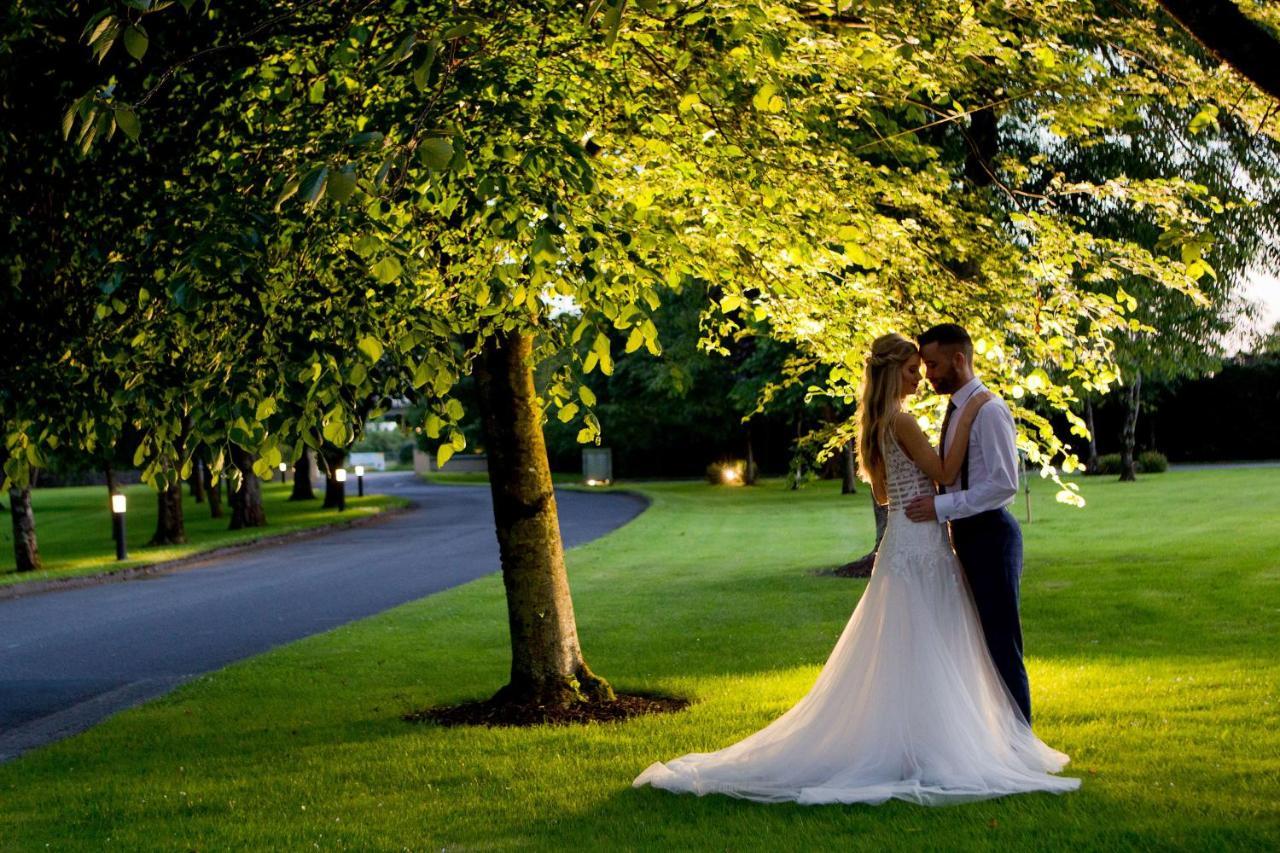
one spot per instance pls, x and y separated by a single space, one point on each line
909 705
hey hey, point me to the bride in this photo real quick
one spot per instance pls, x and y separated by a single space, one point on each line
909 705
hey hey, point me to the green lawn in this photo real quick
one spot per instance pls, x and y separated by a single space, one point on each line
73 527
1152 623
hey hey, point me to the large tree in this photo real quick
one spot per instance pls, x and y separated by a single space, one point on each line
442 173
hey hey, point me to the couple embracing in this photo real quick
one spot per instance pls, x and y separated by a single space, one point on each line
925 696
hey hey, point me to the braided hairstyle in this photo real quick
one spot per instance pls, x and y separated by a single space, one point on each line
879 401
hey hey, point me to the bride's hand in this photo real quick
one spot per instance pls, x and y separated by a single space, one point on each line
976 402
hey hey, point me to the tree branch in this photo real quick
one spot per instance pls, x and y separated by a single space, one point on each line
1233 37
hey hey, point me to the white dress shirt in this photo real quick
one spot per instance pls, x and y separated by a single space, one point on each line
993 459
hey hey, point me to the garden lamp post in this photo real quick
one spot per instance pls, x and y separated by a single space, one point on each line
340 477
117 526
359 481
284 472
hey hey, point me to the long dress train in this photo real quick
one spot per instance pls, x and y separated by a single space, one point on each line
908 706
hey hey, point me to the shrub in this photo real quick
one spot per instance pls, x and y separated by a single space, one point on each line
1148 462
1152 462
1108 464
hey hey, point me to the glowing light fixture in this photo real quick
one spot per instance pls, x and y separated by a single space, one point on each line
118 505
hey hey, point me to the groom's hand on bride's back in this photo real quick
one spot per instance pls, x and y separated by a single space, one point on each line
920 508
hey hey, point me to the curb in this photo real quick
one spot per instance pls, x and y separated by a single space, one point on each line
25 588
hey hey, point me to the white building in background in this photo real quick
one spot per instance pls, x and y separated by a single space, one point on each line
370 461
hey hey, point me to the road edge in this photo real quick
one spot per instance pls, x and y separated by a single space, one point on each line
22 589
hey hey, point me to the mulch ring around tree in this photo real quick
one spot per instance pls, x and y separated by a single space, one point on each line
487 713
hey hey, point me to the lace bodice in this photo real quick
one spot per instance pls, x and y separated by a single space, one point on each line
903 480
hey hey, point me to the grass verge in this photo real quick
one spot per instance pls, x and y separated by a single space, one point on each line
73 528
1152 622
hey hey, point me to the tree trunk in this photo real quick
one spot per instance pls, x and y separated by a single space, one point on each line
861 567
302 490
197 479
26 552
1233 37
547 666
1128 468
214 493
752 473
982 139
797 461
170 529
1091 463
246 501
333 459
850 484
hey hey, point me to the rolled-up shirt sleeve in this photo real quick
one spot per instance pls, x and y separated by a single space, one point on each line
994 432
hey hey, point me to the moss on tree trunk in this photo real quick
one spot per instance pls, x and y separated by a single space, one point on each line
547 665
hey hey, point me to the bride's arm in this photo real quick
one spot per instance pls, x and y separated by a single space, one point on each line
916 444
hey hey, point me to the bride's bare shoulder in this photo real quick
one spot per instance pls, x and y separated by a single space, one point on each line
904 425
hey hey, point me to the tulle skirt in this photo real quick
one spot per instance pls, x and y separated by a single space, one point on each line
909 705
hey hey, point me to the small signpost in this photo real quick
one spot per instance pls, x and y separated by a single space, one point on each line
597 466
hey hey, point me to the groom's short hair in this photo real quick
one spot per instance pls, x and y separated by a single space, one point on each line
948 334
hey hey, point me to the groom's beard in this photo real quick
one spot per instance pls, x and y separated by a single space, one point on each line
945 384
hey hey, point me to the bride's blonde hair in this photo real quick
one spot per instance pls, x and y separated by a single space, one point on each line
879 400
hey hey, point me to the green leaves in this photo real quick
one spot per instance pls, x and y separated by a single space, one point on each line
599 355
543 249
766 99
443 454
342 184
135 41
371 347
127 121
386 270
422 74
312 184
335 429
1206 118
436 153
366 139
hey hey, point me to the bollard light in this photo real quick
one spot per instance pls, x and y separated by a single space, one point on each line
360 481
340 476
118 505
284 472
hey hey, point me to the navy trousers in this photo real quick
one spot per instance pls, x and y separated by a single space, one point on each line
989 546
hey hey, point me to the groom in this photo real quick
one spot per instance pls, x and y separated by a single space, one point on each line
986 536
